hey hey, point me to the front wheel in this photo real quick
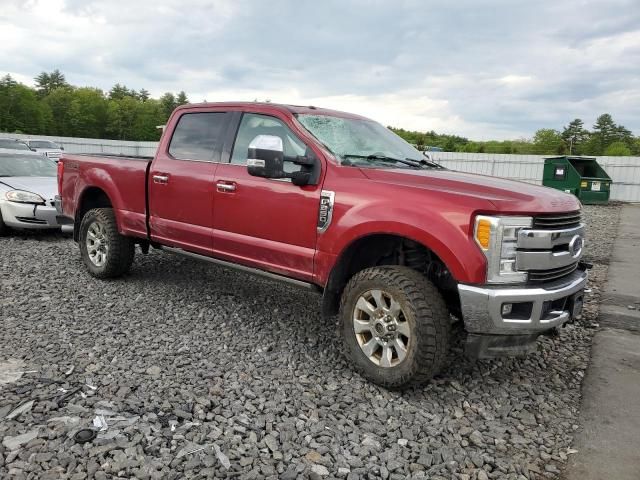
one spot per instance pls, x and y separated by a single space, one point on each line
105 252
395 326
3 227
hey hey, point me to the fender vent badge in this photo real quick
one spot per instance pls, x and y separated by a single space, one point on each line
325 213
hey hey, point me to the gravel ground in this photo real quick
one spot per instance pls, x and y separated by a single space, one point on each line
199 372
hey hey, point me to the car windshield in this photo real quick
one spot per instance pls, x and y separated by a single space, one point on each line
43 144
26 166
13 145
362 142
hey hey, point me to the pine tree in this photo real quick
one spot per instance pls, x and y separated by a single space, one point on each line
574 135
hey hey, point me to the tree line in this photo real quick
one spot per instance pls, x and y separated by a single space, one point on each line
54 107
605 138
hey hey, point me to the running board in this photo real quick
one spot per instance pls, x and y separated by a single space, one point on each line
243 268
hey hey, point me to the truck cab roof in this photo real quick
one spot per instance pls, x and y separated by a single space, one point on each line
287 108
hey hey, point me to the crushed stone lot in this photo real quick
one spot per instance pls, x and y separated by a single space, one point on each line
194 371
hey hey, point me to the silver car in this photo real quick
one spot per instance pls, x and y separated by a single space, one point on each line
45 147
28 186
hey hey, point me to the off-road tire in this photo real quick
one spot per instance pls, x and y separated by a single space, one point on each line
424 310
121 249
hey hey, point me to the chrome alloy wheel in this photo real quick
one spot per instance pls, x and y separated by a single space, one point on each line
97 244
381 328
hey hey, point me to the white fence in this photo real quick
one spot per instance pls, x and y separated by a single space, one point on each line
95 145
624 171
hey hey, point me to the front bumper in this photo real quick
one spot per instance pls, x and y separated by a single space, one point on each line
539 308
30 216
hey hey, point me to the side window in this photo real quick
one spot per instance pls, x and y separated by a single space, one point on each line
197 136
253 125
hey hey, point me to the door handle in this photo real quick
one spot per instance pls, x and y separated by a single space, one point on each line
161 179
226 187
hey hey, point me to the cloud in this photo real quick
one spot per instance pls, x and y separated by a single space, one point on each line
494 69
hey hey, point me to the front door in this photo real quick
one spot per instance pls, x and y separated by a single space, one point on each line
265 223
181 188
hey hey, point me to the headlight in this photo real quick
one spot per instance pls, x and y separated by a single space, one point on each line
498 240
20 196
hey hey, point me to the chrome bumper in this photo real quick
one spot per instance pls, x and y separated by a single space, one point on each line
482 306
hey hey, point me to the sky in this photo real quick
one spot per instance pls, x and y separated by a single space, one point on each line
484 69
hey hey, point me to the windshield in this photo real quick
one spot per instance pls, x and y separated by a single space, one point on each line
26 166
13 145
362 142
42 144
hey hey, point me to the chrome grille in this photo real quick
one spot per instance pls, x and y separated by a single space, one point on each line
543 250
538 276
557 221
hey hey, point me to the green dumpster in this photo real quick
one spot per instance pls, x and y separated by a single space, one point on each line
581 176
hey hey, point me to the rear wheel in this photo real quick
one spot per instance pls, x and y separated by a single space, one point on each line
105 252
395 326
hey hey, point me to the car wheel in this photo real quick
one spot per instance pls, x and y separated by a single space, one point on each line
3 227
395 326
105 252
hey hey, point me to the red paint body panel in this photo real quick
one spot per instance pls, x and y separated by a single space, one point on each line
181 210
271 224
122 179
268 224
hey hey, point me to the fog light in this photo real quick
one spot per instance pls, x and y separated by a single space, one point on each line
506 308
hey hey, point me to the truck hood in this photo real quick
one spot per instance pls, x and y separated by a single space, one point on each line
508 196
46 187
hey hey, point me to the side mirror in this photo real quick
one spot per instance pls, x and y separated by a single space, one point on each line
265 157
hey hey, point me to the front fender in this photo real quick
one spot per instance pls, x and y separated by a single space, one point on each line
444 232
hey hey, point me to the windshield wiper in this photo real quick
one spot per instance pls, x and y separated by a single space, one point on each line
384 158
431 164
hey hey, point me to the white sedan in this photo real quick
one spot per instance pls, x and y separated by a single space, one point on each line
28 187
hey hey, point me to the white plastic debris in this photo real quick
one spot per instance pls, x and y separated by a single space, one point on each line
70 371
100 423
224 460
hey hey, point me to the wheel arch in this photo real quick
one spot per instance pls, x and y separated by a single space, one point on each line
91 197
378 249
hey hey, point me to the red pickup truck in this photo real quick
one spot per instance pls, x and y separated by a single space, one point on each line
399 247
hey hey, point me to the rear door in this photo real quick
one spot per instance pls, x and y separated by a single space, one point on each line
181 180
265 223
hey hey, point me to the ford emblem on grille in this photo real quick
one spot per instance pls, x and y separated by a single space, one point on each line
575 246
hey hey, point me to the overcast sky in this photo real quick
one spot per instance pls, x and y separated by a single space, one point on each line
482 69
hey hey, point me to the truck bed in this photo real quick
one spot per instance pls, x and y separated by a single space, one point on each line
121 178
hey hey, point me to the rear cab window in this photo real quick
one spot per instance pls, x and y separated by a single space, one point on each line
198 136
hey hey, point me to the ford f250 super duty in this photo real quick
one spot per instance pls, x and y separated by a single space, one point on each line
398 246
